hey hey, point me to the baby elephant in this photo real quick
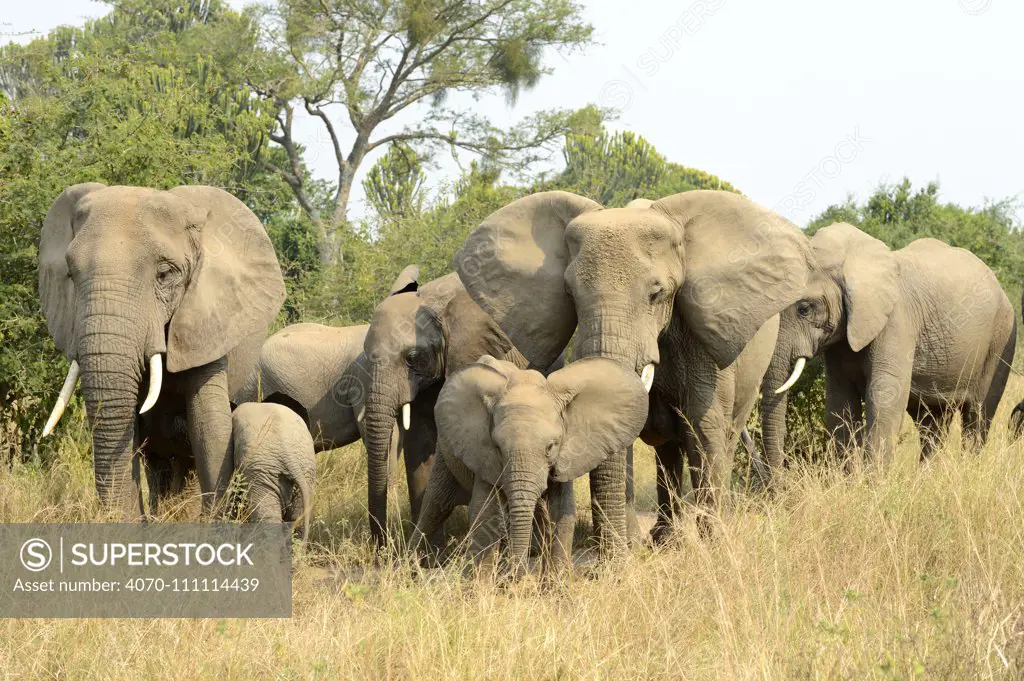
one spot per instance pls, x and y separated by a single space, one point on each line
274 455
511 435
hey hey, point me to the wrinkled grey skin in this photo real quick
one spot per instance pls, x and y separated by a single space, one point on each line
718 416
510 436
126 273
926 330
273 454
417 337
554 263
320 372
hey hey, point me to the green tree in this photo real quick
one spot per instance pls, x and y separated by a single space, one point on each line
394 185
357 64
615 168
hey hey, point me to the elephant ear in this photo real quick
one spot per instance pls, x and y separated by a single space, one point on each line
513 265
869 274
743 265
463 416
605 410
56 290
472 333
237 289
406 281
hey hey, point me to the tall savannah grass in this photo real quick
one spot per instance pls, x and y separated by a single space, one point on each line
918 574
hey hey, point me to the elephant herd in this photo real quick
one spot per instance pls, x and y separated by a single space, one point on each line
677 314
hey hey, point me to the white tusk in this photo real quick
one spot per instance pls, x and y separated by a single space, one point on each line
156 377
647 377
798 369
361 413
406 415
66 391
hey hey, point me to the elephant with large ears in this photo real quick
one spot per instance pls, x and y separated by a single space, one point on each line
553 263
274 457
509 436
173 290
322 374
926 329
417 337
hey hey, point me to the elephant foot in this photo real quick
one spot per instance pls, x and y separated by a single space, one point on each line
662 532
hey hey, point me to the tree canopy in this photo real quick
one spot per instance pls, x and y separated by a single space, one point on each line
356 65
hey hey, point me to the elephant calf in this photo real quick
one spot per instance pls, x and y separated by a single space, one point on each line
511 435
275 457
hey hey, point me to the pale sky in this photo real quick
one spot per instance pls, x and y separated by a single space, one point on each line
797 103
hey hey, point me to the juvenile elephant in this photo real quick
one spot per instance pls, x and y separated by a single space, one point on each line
275 459
131 278
506 436
553 263
926 329
322 373
417 337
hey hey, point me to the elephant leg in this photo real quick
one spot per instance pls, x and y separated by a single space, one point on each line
158 478
708 453
608 504
439 500
208 410
886 399
976 422
540 542
843 407
485 526
561 505
419 459
632 525
669 467
931 422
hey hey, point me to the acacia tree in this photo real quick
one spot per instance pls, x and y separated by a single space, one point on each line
357 64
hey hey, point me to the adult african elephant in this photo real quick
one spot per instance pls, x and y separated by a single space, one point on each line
321 373
926 329
129 275
417 337
716 263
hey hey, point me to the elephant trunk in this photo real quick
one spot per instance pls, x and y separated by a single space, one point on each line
111 373
522 494
603 333
773 415
383 404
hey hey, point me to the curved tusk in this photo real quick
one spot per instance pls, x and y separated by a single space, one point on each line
798 369
647 377
156 378
66 391
406 415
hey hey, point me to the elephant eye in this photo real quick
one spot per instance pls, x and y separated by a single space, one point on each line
656 294
804 309
411 357
166 273
552 446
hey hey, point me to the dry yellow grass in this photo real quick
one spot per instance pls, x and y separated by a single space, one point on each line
919 574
